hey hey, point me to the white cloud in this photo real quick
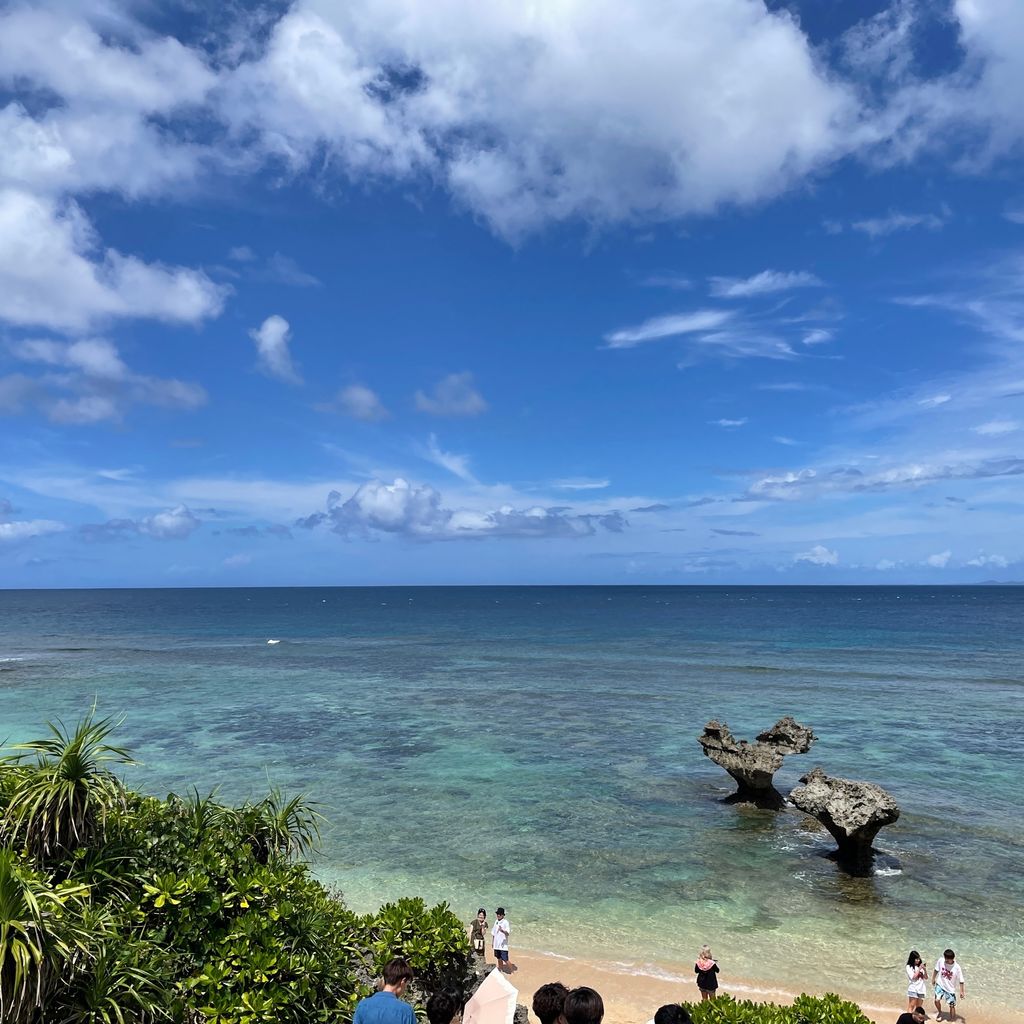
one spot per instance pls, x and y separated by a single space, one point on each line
15 531
52 274
416 511
894 220
939 560
885 564
453 395
994 561
931 401
782 439
271 339
284 270
818 555
996 428
728 423
361 403
668 327
818 336
808 483
764 283
178 523
96 384
457 465
578 483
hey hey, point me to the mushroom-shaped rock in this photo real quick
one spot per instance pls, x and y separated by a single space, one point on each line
753 765
788 736
853 812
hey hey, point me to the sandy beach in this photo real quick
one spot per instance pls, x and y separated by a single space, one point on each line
632 993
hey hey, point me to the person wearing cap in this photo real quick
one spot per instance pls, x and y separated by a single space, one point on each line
499 939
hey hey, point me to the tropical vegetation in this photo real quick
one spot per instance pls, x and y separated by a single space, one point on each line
121 908
828 1009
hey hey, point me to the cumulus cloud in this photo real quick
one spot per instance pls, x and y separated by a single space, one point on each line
25 530
818 336
454 395
764 283
271 339
87 382
939 560
359 402
818 555
178 523
416 511
995 561
54 274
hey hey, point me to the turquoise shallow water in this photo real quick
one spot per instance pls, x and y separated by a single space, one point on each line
537 747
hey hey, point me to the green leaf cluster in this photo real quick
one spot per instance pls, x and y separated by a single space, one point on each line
121 908
827 1009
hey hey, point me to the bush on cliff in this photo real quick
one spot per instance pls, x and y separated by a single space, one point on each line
120 908
828 1009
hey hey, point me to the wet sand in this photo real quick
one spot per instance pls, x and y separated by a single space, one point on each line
631 995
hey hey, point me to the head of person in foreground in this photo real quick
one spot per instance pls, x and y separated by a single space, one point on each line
397 975
583 1006
442 1008
549 1002
672 1013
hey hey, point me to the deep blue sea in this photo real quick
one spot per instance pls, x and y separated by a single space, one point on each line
536 747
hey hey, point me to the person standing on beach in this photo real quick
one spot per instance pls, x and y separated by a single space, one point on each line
387 1006
706 969
499 939
477 931
948 977
917 978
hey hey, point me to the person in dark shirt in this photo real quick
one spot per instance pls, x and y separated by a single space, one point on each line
386 1006
549 1002
672 1013
706 969
917 1017
442 1008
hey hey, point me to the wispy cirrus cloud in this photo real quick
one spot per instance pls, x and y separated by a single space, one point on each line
671 326
896 220
767 282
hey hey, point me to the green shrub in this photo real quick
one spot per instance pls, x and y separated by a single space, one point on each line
828 1009
120 908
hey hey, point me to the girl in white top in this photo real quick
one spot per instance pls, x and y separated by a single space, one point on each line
917 980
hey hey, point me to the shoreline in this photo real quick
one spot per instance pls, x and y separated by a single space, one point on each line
633 991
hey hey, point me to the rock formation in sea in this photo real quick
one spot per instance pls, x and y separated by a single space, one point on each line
753 765
853 812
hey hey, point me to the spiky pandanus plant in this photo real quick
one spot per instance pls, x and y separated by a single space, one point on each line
62 789
277 825
43 939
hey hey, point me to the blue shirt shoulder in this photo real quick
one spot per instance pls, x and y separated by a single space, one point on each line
384 1008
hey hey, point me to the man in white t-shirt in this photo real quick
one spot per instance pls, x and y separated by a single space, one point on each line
948 979
499 938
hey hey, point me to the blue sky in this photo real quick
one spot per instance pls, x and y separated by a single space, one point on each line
700 291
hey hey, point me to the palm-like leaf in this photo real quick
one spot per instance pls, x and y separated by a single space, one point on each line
290 828
61 797
42 937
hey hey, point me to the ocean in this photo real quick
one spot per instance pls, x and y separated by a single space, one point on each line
536 747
